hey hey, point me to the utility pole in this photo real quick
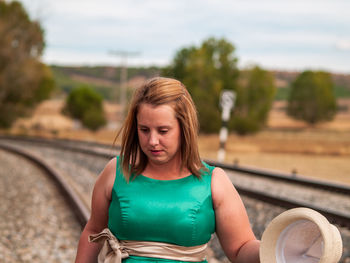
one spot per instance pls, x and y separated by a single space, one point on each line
123 76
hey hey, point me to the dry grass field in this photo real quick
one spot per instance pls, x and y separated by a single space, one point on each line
321 152
322 155
285 145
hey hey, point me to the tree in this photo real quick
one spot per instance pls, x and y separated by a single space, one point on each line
255 94
85 104
24 80
211 68
312 99
206 71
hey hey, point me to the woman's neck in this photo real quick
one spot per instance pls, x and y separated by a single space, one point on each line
167 171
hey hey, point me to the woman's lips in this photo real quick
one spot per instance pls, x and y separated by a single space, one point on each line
156 152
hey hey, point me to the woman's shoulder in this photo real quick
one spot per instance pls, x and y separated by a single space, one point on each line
107 176
222 187
111 165
219 176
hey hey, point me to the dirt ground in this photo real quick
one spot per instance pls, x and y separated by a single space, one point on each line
285 145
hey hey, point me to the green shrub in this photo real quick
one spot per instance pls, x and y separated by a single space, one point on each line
312 97
255 95
85 104
93 119
245 126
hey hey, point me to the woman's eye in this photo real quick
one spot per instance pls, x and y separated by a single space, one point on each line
143 130
163 131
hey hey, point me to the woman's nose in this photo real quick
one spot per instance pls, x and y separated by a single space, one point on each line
153 139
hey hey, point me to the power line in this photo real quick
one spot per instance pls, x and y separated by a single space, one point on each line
123 54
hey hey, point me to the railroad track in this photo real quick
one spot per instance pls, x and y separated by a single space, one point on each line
340 218
73 199
37 224
92 157
336 217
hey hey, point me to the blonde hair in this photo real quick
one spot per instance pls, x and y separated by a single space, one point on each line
159 91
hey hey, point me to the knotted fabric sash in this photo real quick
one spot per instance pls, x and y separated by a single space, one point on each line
114 250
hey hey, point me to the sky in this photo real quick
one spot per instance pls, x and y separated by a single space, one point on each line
291 35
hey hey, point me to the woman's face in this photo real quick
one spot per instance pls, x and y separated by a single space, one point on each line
159 133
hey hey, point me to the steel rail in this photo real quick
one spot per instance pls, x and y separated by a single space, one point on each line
290 178
54 140
280 176
80 210
334 217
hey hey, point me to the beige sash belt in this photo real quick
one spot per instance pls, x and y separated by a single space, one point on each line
114 250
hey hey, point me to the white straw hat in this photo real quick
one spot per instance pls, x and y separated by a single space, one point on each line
300 235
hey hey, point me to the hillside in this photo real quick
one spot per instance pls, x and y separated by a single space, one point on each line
285 78
106 79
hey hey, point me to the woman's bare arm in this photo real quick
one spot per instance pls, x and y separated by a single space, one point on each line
232 224
101 196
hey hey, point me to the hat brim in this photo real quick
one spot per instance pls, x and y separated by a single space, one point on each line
307 224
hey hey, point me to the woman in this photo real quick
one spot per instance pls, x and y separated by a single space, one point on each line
158 190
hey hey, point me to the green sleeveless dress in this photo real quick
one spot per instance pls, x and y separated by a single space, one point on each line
174 211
